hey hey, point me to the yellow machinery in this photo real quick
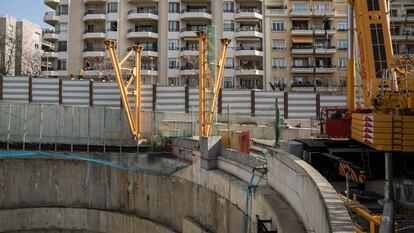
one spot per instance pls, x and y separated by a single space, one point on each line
387 121
133 115
207 85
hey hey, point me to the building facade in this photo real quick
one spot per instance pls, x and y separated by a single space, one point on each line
21 47
276 44
166 30
402 26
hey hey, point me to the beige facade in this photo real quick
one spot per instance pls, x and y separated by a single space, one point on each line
307 45
20 47
276 44
402 26
166 29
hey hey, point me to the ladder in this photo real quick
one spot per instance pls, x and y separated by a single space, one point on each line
366 163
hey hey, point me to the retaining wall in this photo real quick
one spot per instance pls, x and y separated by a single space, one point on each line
309 194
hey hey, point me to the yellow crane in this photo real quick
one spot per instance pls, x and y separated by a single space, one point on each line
133 114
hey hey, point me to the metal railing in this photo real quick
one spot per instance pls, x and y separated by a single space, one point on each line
95 12
249 9
145 29
258 67
194 28
95 30
243 48
143 10
249 29
96 49
196 10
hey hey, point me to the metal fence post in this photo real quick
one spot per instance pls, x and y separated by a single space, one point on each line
154 97
60 91
318 105
285 105
253 103
187 100
90 92
30 94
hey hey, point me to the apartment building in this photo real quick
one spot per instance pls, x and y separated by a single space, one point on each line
307 43
20 47
166 30
402 26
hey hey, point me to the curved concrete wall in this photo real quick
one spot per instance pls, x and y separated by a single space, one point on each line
43 183
309 194
75 220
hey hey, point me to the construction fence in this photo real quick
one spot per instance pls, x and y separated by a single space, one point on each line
255 103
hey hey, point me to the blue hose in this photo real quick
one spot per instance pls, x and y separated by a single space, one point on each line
245 225
114 164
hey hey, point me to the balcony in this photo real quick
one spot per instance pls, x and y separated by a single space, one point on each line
248 71
139 33
402 18
196 14
140 1
301 13
302 49
94 15
52 3
49 73
191 31
188 70
189 50
301 31
249 13
302 69
50 35
50 55
249 51
94 34
94 1
94 52
329 12
51 18
276 12
325 50
148 71
249 32
406 34
325 70
143 14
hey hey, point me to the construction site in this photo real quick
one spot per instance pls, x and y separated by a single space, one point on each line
124 156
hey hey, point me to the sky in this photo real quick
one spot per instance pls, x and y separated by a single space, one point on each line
32 10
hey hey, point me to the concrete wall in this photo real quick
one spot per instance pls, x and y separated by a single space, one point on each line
309 194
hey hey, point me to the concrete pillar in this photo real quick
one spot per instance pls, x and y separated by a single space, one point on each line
209 149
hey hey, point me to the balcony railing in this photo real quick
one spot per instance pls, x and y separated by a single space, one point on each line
94 49
149 67
96 30
194 28
249 29
195 10
258 67
50 13
189 67
95 12
249 9
191 48
146 29
241 48
143 11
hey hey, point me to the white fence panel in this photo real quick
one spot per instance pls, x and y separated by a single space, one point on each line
239 101
265 103
45 90
16 89
75 92
301 105
170 99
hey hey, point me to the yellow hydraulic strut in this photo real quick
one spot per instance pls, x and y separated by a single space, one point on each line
134 116
206 118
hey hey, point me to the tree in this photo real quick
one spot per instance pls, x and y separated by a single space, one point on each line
9 43
101 64
32 63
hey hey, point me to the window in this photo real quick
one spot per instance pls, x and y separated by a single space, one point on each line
62 46
229 63
173 26
228 82
299 7
62 65
228 7
278 44
113 26
342 63
112 7
278 63
228 25
342 26
173 45
322 7
278 26
342 44
174 7
173 81
63 27
173 63
300 62
63 10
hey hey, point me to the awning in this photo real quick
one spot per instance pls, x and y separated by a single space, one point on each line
302 40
